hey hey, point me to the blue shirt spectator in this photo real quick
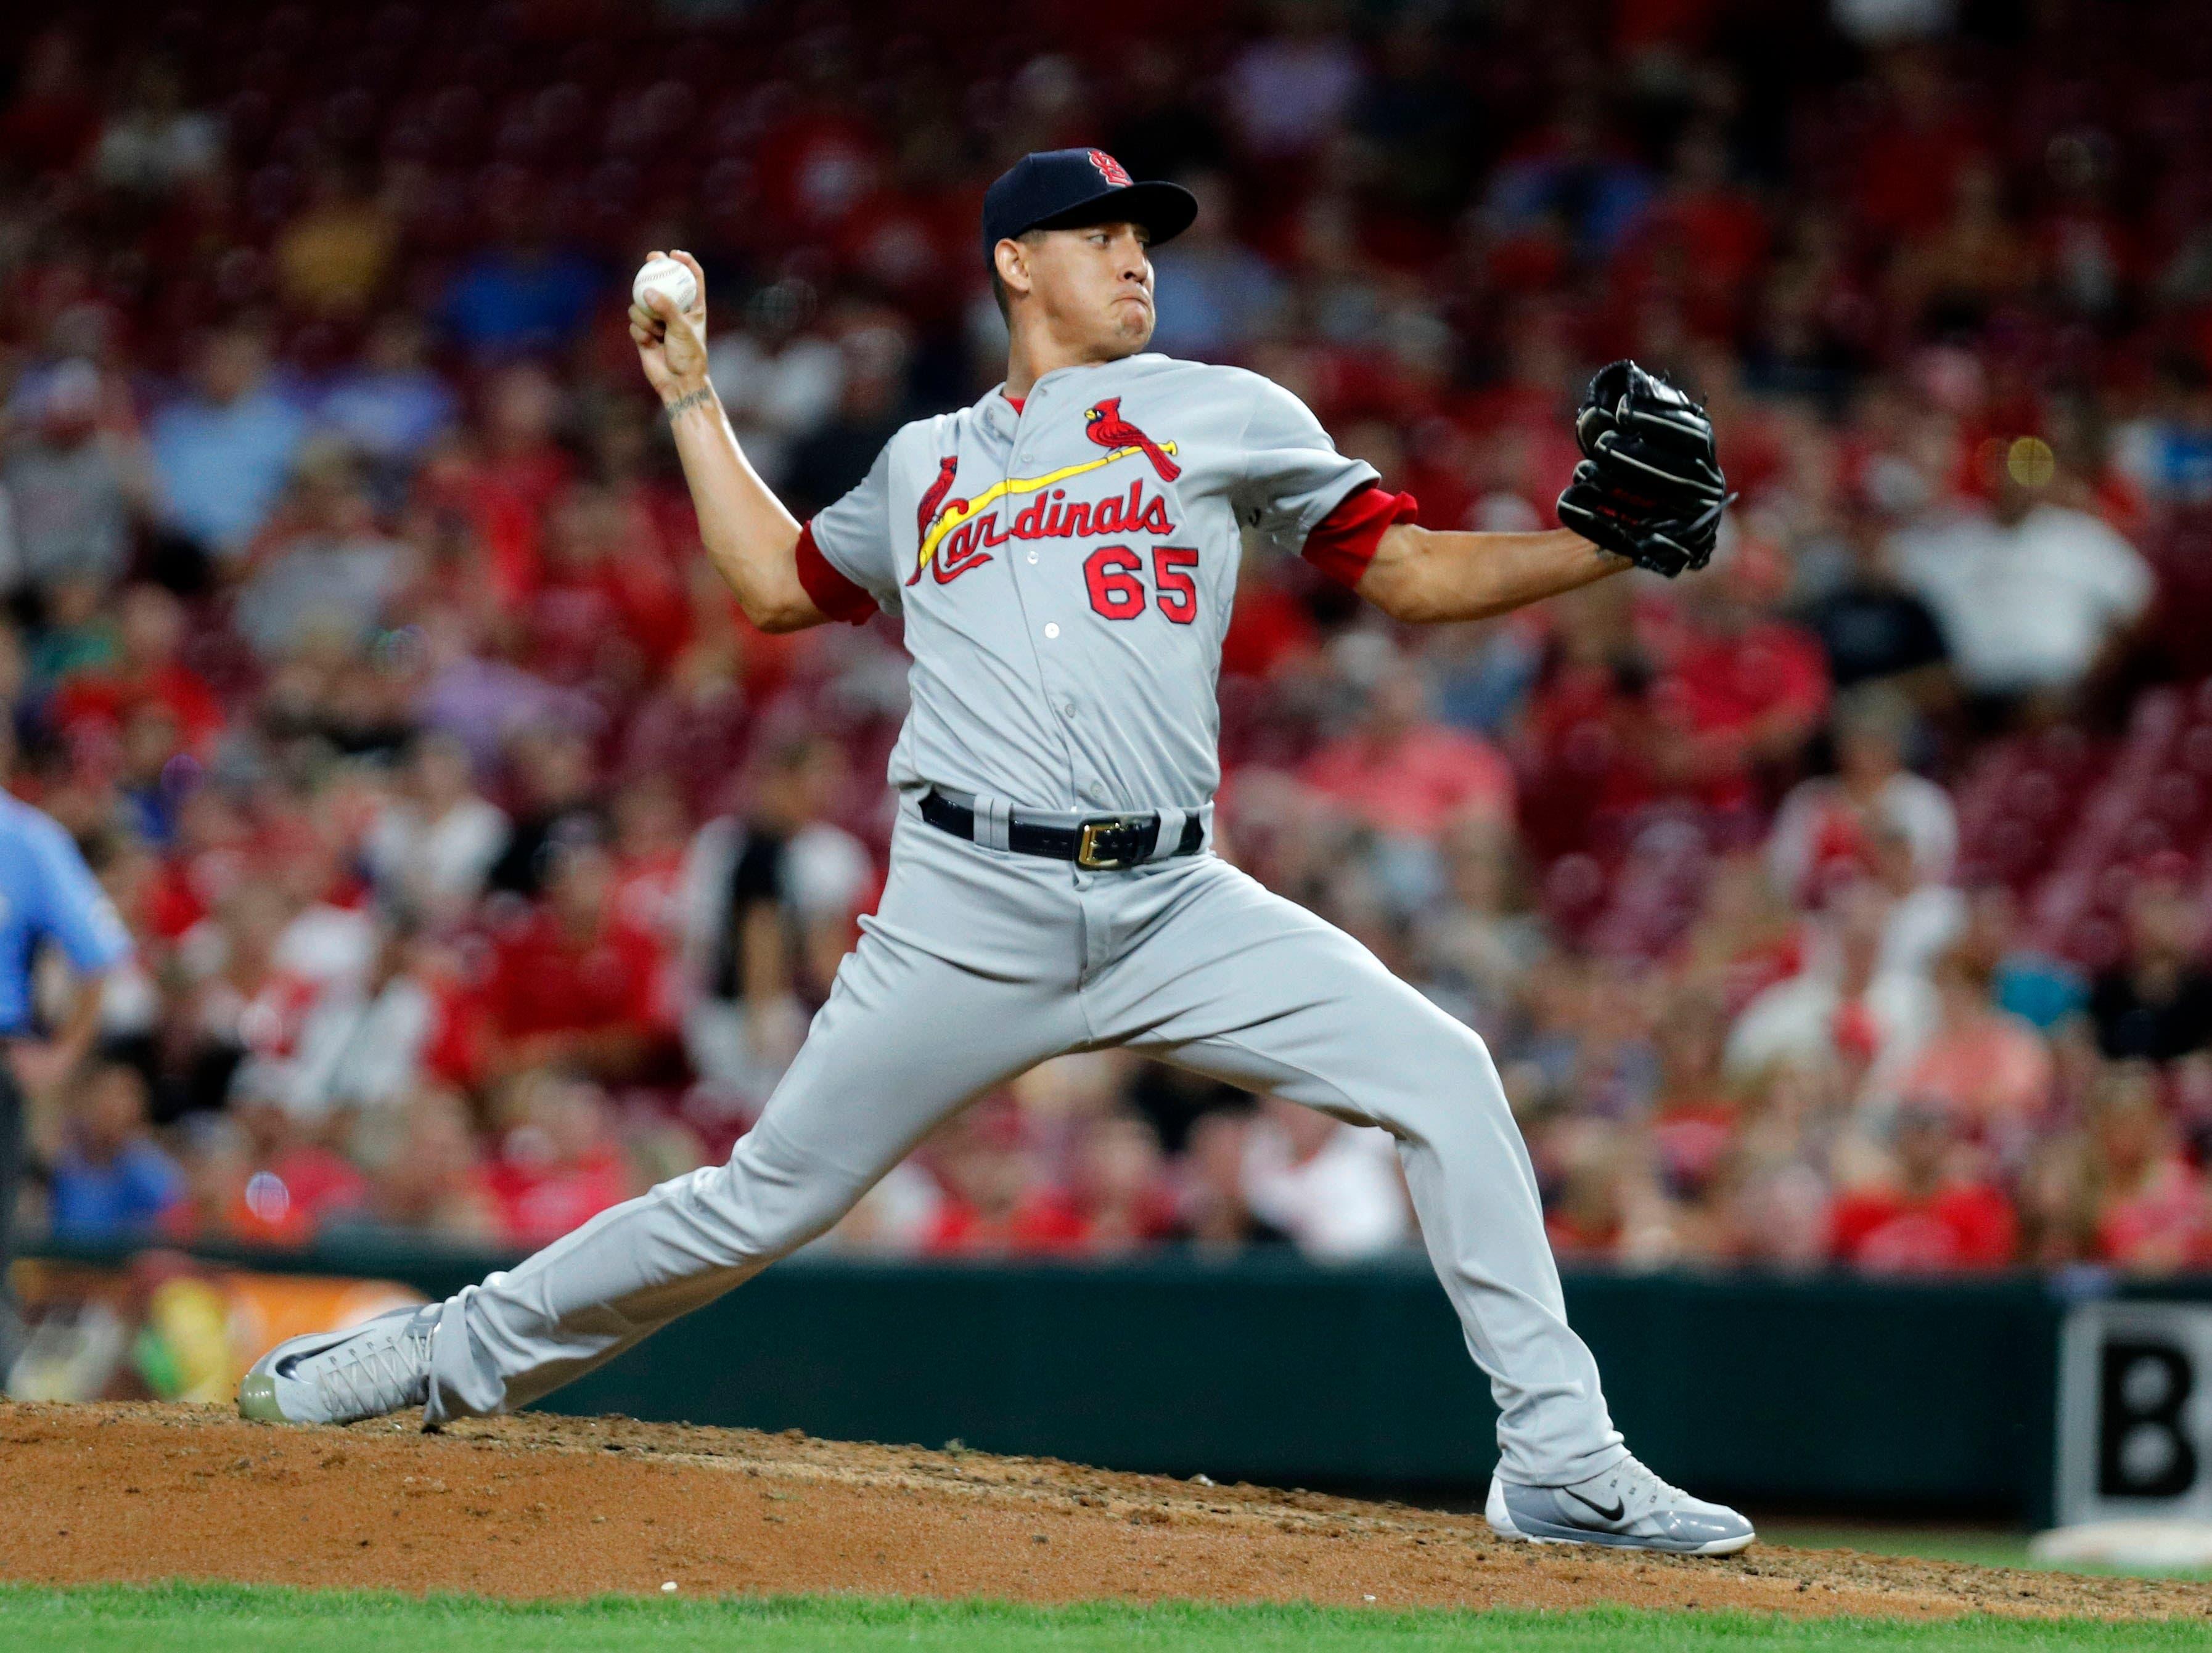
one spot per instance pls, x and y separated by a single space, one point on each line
112 1179
224 453
519 298
2046 991
47 894
1597 195
391 406
1214 295
2166 450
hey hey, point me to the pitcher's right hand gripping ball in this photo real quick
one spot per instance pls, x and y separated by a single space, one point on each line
672 338
1649 487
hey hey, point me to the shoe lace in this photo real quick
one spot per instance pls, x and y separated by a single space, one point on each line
1651 1487
367 1377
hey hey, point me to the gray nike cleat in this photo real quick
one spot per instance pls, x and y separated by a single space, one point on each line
343 1377
1627 1507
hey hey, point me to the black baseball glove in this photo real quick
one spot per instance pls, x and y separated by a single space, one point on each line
1649 487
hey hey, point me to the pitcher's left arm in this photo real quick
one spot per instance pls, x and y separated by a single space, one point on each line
1424 574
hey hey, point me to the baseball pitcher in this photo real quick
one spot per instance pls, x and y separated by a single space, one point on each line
1063 555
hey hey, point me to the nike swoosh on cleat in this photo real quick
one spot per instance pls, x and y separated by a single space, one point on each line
1619 1509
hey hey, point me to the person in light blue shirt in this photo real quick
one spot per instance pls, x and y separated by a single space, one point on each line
47 894
223 454
48 897
391 406
1215 296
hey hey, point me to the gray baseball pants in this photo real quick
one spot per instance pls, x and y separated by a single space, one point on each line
982 963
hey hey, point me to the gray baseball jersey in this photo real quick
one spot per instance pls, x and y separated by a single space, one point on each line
1065 572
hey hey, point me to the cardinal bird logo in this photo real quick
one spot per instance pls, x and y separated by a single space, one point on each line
1104 425
933 495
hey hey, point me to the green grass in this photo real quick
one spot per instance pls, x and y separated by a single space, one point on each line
181 1618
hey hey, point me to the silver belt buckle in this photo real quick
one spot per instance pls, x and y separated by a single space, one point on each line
1086 842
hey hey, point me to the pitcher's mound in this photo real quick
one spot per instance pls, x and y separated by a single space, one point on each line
540 1505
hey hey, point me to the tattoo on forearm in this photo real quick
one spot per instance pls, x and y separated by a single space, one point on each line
699 398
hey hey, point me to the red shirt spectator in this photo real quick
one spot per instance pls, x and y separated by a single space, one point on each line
317 1181
652 837
55 115
149 673
1965 1227
1762 684
1906 166
1268 626
819 166
573 984
537 1204
601 611
1578 1241
1736 688
556 979
1403 774
995 1203
560 1168
506 485
1939 1214
2159 1223
1041 1221
1588 751
1989 1069
2153 1216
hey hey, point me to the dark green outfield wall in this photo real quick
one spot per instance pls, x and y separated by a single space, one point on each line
1833 1391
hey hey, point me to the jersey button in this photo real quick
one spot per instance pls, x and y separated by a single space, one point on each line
1052 628
1032 556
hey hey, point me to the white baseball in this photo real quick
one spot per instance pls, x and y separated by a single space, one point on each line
665 275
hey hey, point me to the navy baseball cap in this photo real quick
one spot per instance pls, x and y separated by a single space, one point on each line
1061 189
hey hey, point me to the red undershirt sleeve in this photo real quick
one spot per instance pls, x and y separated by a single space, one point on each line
835 594
1344 543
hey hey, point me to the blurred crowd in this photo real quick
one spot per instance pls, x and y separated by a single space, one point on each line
1846 903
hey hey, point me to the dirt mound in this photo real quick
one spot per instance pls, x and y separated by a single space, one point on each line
546 1507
